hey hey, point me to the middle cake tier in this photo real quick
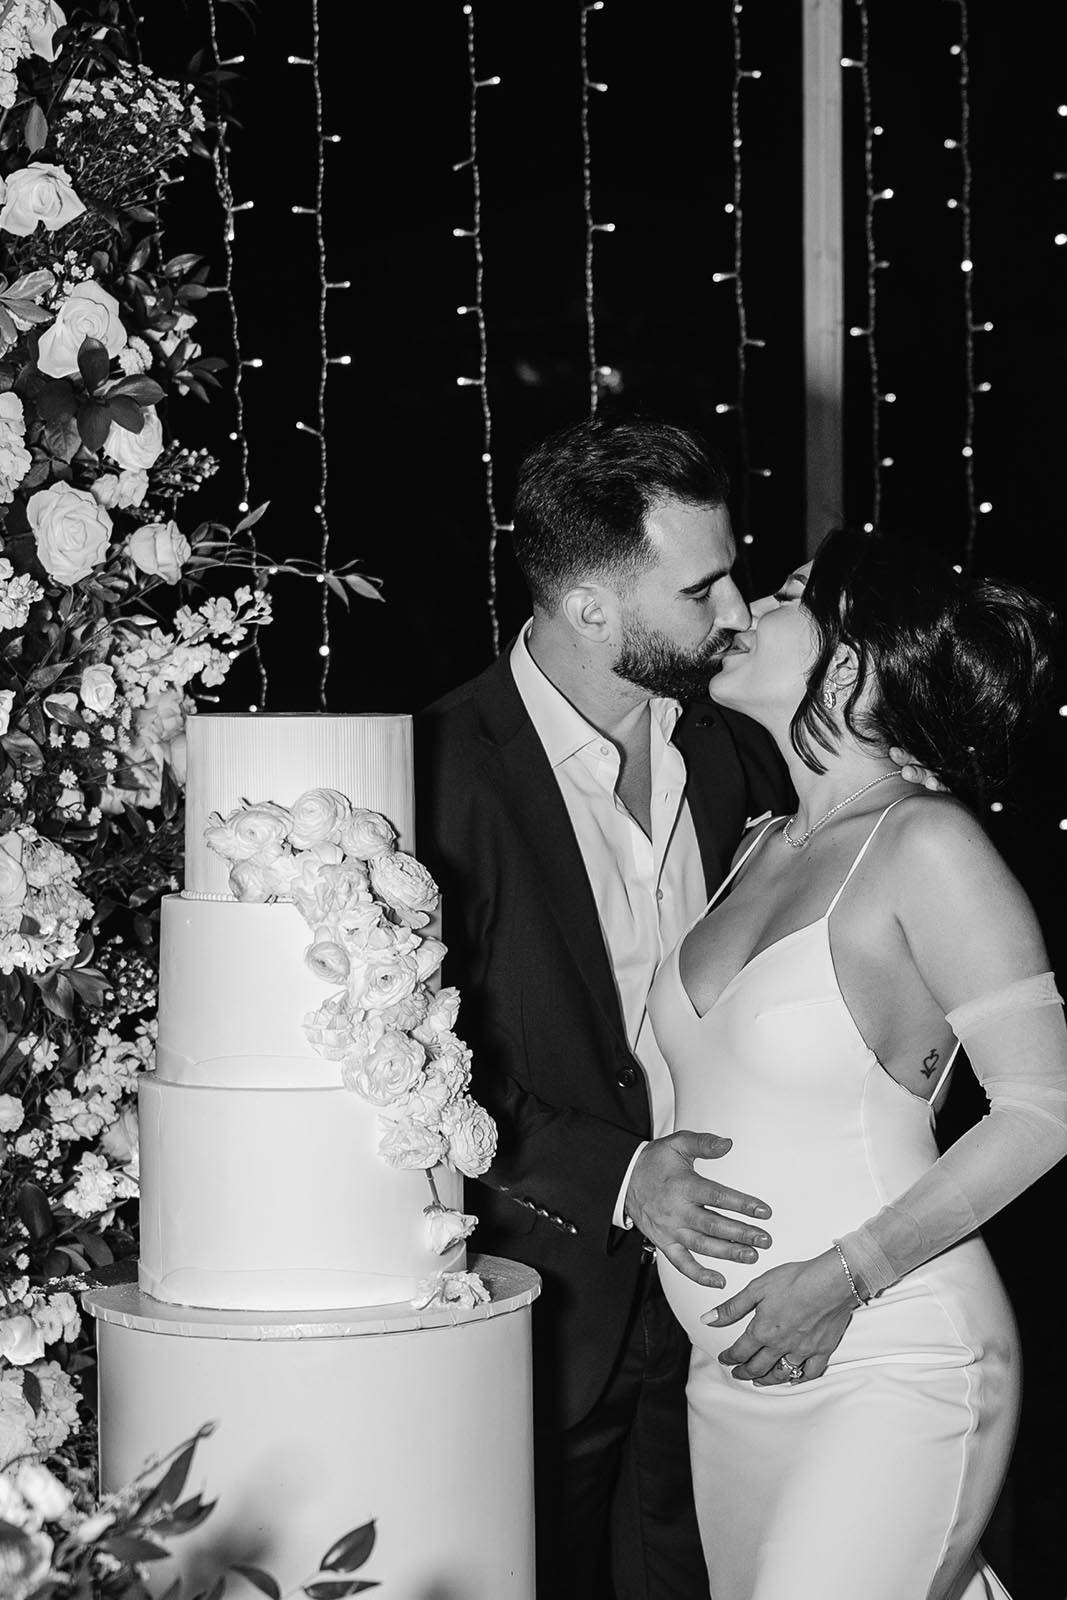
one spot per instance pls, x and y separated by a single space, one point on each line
261 1183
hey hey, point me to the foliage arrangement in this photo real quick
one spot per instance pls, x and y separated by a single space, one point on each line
115 615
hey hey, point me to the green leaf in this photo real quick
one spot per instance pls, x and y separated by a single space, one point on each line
7 328
351 1550
26 309
57 401
33 1209
96 1248
179 264
94 424
258 1579
35 129
128 1547
45 677
146 391
171 1484
94 363
66 715
184 1518
363 586
57 992
338 588
139 256
170 791
23 750
251 519
126 412
90 986
324 1588
62 439
31 286
31 1390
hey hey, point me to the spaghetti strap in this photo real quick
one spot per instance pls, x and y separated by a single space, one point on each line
863 851
736 868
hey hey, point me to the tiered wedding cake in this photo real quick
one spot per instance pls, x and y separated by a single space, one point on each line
302 1142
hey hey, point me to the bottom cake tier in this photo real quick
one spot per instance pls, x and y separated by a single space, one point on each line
276 1199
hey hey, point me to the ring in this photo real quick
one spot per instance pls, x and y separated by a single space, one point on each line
794 1374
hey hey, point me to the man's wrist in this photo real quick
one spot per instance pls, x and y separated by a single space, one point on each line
620 1218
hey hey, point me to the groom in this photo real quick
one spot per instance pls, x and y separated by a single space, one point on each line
578 822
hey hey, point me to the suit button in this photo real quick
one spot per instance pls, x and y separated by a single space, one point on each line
627 1077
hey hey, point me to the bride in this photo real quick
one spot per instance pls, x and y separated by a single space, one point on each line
852 1405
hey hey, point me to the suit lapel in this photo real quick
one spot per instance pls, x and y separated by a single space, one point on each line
539 815
715 788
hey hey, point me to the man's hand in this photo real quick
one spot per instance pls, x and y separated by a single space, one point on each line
667 1200
911 770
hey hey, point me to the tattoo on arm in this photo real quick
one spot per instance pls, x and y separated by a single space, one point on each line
930 1063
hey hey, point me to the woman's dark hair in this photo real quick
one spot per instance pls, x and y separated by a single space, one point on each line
583 496
961 667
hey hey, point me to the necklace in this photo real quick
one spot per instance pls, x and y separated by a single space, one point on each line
798 844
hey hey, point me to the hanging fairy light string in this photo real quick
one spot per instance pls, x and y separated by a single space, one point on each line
734 209
326 578
476 309
975 506
220 161
868 331
590 86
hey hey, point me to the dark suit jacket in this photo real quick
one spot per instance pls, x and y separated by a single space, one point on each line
539 1002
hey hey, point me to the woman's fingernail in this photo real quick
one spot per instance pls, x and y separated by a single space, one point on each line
710 1318
763 1240
762 1211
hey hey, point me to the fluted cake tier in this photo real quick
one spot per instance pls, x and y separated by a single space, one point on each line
261 1186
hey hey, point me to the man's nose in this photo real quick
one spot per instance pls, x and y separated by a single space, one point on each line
735 613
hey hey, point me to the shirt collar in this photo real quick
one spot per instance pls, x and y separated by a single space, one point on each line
562 729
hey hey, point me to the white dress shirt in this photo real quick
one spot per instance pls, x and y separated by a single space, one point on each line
648 891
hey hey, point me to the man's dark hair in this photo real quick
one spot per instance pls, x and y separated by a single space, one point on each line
962 666
584 493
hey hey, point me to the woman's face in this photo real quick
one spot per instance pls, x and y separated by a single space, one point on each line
766 670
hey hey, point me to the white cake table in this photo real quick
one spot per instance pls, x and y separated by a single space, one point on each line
421 1421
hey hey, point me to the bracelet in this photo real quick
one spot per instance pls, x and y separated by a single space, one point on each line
860 1301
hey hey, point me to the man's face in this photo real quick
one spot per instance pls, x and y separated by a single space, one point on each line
682 612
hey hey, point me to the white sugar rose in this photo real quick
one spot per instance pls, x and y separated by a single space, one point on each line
250 830
21 1340
47 1496
404 884
88 312
12 875
445 1229
159 549
71 531
424 1102
12 1112
253 882
464 1289
318 816
7 700
407 1143
117 490
97 688
441 1014
471 1135
38 193
389 1070
136 452
451 1060
329 1030
382 982
366 834
327 960
408 1013
428 957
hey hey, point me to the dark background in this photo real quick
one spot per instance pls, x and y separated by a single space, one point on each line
406 493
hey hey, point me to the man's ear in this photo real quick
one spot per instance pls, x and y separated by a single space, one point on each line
590 609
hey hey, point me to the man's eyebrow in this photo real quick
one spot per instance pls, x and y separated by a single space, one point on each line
707 581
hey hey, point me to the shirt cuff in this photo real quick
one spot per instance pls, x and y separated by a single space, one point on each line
619 1217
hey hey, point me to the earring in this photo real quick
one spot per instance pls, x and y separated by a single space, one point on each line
829 696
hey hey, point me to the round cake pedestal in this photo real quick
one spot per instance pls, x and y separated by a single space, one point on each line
418 1420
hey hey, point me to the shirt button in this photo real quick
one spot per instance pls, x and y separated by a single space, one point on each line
659 894
605 750
627 1077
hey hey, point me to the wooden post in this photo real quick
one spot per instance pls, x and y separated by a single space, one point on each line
823 268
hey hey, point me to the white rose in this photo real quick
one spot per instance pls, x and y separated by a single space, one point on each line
404 884
366 834
329 1030
388 1072
122 1142
136 452
38 193
72 532
249 831
88 312
471 1135
408 1013
428 957
407 1143
97 688
41 30
317 818
441 1014
12 1113
451 1061
21 1340
117 490
160 550
424 1102
327 960
253 882
445 1229
7 700
12 875
42 1491
463 1289
382 982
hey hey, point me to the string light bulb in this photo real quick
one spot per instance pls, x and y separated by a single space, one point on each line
588 85
960 50
868 332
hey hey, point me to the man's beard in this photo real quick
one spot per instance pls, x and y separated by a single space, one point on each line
649 660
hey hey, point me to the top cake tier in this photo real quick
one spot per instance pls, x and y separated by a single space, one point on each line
260 757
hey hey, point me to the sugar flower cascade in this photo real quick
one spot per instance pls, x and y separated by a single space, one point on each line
364 902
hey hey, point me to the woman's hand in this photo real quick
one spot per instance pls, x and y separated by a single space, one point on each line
802 1310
